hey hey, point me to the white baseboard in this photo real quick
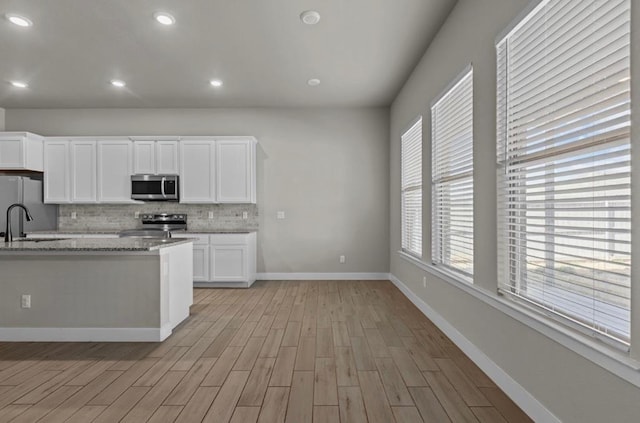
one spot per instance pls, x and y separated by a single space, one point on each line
85 334
321 276
527 402
221 285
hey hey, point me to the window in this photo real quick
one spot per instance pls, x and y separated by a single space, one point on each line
452 178
412 189
564 164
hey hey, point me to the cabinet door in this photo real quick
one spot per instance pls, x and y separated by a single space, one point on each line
167 157
235 171
11 153
83 171
200 255
200 263
197 179
56 172
144 157
114 171
228 263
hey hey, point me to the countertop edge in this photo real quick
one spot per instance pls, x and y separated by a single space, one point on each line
52 248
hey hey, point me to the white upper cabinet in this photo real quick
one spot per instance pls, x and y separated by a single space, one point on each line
167 158
115 158
21 151
80 170
144 157
98 170
83 171
155 157
57 170
197 179
235 171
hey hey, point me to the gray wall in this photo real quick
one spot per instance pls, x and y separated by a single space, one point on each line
2 119
326 168
571 387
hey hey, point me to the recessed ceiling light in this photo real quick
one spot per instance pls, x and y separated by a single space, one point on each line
310 17
313 82
18 20
19 84
164 18
118 83
216 83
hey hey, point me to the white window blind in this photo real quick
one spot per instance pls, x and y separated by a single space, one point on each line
452 178
564 163
412 189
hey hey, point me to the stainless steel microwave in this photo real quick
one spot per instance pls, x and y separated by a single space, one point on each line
154 187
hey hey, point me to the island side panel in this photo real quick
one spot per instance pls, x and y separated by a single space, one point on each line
177 285
80 291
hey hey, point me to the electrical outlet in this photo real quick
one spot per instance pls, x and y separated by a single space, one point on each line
26 301
280 215
343 259
136 215
210 215
424 281
74 215
245 215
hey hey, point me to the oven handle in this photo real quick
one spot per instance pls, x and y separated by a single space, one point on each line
162 187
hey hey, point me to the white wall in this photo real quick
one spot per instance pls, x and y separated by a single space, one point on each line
326 168
568 385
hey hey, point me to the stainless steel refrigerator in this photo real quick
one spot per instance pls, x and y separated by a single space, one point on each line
28 191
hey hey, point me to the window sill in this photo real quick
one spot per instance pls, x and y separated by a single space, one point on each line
606 356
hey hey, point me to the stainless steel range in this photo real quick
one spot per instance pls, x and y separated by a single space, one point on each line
159 225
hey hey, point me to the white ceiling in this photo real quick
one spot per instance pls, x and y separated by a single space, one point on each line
361 50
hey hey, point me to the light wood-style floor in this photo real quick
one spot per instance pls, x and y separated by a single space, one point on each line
294 352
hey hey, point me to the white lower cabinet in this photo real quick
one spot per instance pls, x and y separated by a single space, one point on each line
200 256
224 260
229 261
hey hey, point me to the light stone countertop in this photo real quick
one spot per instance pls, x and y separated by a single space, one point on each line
91 244
114 232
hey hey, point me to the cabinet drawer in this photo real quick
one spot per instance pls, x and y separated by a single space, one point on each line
229 239
198 239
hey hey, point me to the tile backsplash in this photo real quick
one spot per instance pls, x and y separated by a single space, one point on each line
116 217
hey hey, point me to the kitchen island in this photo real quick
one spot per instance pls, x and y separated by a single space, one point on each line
121 289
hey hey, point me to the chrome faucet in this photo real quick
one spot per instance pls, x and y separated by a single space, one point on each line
8 236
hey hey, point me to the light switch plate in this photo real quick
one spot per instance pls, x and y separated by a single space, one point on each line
280 215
